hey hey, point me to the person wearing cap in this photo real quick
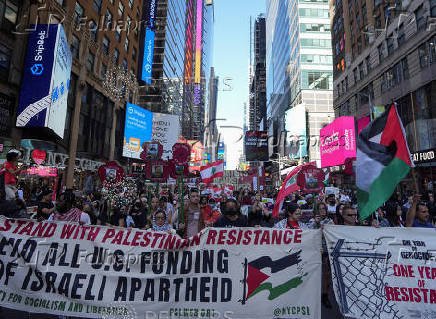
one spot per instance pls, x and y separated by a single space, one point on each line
11 173
292 220
45 206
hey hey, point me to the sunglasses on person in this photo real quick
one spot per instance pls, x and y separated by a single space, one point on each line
351 215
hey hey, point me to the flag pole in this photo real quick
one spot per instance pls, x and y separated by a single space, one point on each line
244 282
416 143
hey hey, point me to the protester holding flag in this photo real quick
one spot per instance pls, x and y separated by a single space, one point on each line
66 212
418 215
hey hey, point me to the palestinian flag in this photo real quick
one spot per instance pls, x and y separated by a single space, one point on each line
256 278
326 179
211 171
383 160
289 186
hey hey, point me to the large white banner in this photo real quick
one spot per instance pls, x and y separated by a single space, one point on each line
95 272
166 131
383 273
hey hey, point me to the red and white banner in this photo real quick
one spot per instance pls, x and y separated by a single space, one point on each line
211 171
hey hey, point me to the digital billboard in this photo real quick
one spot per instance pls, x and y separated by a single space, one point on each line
338 141
295 126
221 150
198 34
137 130
46 79
256 146
147 61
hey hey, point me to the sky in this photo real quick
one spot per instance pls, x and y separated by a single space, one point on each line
231 55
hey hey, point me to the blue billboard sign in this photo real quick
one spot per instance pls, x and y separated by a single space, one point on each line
147 61
46 79
152 14
137 130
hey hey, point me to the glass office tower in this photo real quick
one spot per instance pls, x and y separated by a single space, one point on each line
299 68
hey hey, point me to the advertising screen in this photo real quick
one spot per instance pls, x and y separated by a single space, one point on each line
338 141
296 140
256 146
147 62
137 130
46 78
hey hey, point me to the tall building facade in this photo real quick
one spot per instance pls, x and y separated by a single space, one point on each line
198 60
385 52
178 74
211 129
257 108
103 76
299 68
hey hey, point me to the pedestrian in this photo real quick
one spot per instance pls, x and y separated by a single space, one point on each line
45 206
165 204
418 215
321 218
66 212
139 215
11 173
349 216
292 220
379 219
231 215
194 221
160 222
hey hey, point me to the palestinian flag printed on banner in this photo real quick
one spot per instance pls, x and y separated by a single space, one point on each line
383 160
212 171
256 278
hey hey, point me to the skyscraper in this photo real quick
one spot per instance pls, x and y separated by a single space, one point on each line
257 109
176 63
299 67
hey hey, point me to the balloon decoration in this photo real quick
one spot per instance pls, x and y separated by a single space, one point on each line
310 179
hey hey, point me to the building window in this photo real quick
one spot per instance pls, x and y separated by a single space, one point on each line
433 8
125 65
118 34
338 89
93 30
78 10
103 71
317 80
401 35
380 53
134 54
61 2
355 75
432 47
405 68
106 44
120 9
90 62
368 63
75 45
97 5
5 58
131 4
364 14
390 42
108 17
116 56
361 71
126 44
8 15
346 83
423 55
420 19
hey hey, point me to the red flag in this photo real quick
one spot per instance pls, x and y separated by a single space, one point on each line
289 186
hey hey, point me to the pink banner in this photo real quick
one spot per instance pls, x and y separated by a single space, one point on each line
338 141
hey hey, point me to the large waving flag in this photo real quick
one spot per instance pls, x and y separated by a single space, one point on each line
255 279
211 171
289 186
383 160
